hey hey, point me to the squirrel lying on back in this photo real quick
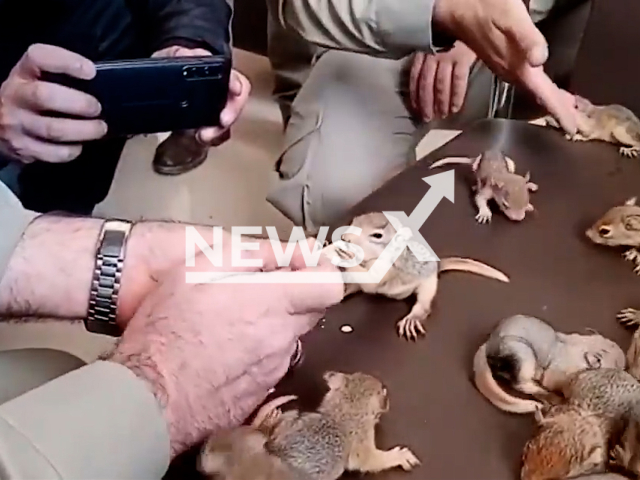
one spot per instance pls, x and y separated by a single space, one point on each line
320 445
536 359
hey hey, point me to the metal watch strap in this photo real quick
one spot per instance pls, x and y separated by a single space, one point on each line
105 284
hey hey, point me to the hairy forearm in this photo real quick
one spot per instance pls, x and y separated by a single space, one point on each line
50 272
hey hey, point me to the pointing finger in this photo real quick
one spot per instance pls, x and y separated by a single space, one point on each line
550 97
516 24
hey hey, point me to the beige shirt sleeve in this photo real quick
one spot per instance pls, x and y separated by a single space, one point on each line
386 28
99 422
14 219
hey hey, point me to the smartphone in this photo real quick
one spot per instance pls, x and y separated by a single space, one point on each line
155 95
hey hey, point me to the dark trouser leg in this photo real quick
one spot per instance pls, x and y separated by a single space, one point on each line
75 187
99 30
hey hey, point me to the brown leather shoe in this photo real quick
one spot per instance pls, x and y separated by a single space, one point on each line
180 153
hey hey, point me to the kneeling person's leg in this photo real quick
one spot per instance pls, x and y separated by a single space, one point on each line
25 369
349 132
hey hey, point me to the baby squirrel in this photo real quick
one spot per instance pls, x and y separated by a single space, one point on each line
496 179
608 123
536 359
340 435
240 453
576 437
619 227
408 275
568 443
320 445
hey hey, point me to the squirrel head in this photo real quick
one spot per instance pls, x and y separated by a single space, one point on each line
619 226
221 452
512 195
376 233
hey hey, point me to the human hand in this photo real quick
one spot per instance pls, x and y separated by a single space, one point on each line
438 82
212 352
505 38
27 132
238 96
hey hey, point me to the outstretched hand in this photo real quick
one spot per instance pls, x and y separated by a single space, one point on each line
211 352
505 38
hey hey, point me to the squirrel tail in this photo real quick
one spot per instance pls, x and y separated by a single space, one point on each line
269 407
473 266
488 386
452 160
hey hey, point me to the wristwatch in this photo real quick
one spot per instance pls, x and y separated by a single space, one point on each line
105 284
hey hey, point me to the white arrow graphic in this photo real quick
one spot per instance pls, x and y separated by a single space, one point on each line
442 186
407 236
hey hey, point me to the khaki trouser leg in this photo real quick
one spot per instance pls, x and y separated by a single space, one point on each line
25 369
349 132
291 58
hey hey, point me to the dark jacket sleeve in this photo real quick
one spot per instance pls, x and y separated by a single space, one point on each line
190 23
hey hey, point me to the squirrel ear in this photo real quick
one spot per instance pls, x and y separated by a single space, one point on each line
527 177
333 379
632 201
632 223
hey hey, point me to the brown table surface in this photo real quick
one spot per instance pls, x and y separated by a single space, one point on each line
556 274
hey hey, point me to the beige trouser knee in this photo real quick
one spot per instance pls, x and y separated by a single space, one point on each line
25 369
349 132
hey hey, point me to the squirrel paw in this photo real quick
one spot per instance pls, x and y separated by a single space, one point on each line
630 152
576 138
618 456
404 458
272 419
632 255
410 328
629 317
483 217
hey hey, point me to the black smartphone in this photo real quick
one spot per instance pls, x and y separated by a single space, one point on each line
155 95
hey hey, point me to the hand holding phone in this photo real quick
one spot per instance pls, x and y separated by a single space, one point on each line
237 98
153 95
32 111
